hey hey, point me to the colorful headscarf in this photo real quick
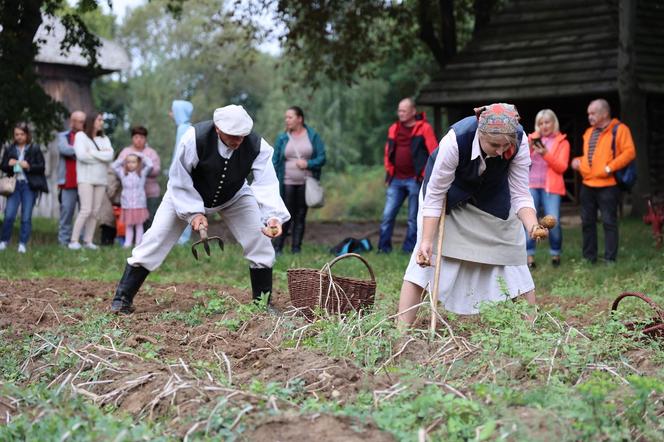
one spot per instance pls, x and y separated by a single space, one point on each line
497 118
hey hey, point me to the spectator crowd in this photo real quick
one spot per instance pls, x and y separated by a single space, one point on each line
116 190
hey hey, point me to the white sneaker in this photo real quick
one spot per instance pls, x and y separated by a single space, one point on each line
91 246
21 248
74 246
3 245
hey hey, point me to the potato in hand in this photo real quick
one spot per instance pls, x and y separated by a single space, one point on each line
548 221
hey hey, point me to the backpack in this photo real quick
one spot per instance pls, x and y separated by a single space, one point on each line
626 177
351 245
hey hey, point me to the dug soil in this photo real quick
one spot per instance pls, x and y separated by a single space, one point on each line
157 363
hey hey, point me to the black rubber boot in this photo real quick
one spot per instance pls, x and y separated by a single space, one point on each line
127 288
261 283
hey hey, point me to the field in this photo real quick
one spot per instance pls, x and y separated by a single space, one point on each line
197 361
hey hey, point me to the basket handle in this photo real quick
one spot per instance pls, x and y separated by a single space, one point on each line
353 255
641 296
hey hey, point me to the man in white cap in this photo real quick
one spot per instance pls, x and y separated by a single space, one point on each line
209 175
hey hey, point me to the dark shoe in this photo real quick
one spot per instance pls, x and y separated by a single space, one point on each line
555 261
278 244
261 283
298 234
131 281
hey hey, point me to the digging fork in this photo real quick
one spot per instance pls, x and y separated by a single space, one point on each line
204 240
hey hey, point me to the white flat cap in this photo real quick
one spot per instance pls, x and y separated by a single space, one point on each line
233 120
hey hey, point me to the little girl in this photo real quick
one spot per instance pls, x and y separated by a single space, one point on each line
133 171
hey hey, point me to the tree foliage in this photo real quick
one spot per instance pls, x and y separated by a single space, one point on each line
342 38
200 56
22 96
209 67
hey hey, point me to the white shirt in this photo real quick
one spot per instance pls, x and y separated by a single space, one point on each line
444 171
92 160
189 203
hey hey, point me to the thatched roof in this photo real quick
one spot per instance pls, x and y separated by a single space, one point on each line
111 56
539 48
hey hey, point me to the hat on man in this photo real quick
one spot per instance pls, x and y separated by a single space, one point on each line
233 120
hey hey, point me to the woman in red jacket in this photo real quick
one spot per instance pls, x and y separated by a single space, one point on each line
549 155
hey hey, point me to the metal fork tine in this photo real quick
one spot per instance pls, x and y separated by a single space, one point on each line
205 240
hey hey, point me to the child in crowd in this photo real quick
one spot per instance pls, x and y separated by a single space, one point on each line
133 172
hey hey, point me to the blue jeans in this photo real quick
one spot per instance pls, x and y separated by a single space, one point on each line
397 191
550 203
23 196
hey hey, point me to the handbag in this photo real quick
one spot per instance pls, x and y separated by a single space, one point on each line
314 195
7 185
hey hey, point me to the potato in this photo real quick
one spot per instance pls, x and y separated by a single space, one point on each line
548 221
422 260
540 232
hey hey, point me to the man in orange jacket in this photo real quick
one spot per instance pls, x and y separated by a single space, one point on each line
410 141
597 167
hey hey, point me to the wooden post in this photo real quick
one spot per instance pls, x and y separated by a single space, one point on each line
632 100
437 122
436 273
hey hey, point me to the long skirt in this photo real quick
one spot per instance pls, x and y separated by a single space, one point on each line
465 281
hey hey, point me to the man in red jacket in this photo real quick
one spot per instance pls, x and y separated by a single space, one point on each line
410 141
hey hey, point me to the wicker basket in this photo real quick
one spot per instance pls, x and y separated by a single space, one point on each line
311 288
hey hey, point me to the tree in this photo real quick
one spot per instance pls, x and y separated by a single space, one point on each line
200 56
342 38
22 96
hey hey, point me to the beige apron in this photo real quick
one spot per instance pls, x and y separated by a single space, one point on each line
476 236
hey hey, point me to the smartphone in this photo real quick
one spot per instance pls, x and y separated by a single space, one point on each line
538 142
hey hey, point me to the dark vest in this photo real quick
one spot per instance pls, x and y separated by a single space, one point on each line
216 178
490 191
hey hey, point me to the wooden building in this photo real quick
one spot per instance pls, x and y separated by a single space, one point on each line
66 78
561 55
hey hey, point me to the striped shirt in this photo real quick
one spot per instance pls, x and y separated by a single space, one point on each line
592 143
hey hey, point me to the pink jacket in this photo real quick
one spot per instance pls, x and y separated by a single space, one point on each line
152 189
557 158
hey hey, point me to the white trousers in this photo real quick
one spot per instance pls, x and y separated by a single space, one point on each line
242 216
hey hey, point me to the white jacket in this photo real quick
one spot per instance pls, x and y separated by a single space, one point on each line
92 163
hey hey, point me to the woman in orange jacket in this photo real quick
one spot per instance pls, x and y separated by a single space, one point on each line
549 155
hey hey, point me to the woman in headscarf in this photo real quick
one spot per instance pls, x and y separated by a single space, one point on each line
480 174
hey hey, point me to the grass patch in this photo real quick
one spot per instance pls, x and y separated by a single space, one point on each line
577 374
